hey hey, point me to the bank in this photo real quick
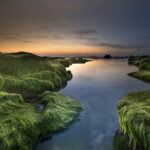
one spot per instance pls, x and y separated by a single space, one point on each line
30 106
134 109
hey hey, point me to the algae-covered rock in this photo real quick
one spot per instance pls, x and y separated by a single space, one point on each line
142 75
23 76
58 112
134 109
134 118
32 75
18 123
144 70
21 125
144 64
66 62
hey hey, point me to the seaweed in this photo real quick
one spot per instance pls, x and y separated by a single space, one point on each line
21 124
29 107
134 118
142 75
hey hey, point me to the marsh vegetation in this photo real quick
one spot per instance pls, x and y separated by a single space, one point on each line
30 107
134 109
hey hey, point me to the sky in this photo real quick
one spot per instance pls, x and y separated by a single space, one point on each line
75 27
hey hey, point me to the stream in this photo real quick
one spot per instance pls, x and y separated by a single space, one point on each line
98 85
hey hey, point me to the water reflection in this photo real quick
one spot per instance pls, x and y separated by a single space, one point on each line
98 85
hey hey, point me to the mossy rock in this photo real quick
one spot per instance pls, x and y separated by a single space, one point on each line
31 76
134 118
24 76
144 64
142 75
21 125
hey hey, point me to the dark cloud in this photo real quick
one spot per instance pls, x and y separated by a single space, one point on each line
85 31
89 38
98 22
44 28
121 46
57 37
9 36
28 41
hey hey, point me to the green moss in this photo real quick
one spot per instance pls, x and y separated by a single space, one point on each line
31 76
59 111
21 125
18 123
144 64
142 75
66 62
134 109
23 76
134 118
144 69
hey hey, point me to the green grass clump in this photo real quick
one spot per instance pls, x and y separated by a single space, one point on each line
59 111
31 76
21 125
68 61
144 70
18 123
25 77
144 64
134 118
142 75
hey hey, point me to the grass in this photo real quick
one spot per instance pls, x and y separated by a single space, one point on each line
68 61
59 111
21 125
18 123
134 118
144 64
32 75
23 76
29 75
144 70
142 75
134 109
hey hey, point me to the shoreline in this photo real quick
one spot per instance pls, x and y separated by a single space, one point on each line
134 109
30 76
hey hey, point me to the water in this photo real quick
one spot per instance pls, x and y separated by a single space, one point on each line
99 85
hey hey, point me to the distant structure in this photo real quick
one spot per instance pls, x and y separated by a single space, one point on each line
108 56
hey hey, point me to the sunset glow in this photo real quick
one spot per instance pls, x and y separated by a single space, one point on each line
75 27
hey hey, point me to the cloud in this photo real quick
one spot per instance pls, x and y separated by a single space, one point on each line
28 41
123 46
85 31
56 37
98 22
44 28
89 38
9 36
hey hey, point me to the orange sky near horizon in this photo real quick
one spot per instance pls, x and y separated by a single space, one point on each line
75 27
51 49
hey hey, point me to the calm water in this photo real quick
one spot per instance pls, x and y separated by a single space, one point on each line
98 85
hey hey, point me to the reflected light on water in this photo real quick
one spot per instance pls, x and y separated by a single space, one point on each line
99 85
